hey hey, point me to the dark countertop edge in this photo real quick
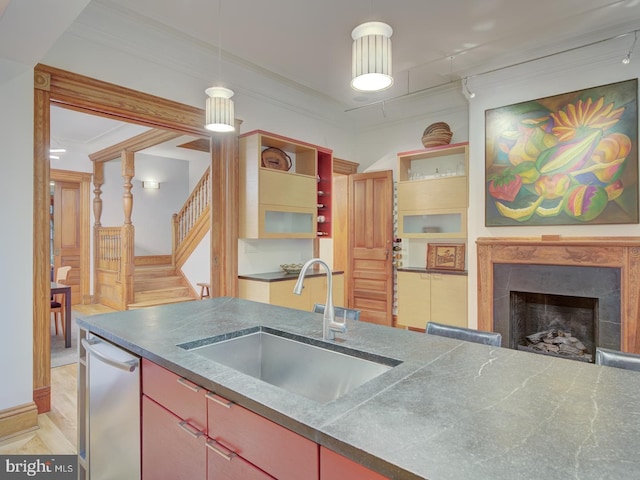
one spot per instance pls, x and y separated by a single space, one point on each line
282 276
432 270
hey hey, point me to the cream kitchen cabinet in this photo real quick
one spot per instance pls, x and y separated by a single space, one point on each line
428 296
281 203
433 192
280 292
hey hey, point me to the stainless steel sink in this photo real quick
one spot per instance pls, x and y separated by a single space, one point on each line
317 370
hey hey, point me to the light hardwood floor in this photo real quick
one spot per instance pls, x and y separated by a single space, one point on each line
57 432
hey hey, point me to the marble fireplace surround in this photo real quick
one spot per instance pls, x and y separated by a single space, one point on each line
615 252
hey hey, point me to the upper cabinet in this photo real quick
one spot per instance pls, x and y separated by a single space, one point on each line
432 192
285 187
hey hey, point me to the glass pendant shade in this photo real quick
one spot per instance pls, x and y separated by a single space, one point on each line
371 57
219 111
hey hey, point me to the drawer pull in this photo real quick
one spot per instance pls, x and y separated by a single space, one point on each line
186 383
219 400
190 429
220 450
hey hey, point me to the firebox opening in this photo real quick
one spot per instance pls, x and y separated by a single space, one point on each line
557 325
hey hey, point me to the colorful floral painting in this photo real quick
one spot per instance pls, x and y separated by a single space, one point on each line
570 159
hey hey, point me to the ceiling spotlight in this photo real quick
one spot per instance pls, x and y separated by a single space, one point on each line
371 57
57 150
469 93
627 60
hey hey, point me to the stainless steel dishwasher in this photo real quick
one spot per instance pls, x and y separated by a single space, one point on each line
111 411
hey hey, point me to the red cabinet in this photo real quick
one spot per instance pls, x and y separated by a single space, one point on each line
275 449
334 466
223 464
171 448
192 434
177 394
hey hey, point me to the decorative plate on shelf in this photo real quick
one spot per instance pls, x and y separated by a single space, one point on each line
275 158
292 267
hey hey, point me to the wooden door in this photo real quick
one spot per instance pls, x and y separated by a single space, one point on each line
66 233
370 286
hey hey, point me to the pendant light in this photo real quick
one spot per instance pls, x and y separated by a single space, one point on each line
371 57
220 115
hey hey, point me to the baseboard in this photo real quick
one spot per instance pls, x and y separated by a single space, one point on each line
17 420
42 398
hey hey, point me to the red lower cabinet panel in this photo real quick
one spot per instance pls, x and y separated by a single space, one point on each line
334 466
223 464
278 451
171 448
177 394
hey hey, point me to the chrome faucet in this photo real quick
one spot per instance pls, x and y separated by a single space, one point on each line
329 324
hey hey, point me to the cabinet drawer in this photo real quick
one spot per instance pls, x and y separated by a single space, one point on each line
182 397
170 449
274 449
223 464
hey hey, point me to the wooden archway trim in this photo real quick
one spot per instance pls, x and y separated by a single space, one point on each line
53 86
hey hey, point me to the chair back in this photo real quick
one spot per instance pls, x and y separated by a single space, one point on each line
614 358
340 312
62 273
466 334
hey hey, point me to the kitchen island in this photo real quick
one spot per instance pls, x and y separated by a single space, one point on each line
449 410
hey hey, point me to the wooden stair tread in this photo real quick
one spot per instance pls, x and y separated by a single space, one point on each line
165 301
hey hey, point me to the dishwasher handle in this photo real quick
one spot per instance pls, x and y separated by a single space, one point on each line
128 366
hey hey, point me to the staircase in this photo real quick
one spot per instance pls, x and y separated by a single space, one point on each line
159 285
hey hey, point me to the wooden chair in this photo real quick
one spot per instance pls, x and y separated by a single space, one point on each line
614 358
340 312
57 301
466 334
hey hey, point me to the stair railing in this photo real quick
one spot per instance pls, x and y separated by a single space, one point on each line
188 223
108 248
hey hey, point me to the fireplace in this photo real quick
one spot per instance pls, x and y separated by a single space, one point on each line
558 325
582 300
605 270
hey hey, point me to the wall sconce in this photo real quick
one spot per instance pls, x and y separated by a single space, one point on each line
371 57
150 184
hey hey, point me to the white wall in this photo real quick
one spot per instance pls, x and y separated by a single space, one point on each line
261 256
16 246
197 267
586 68
152 209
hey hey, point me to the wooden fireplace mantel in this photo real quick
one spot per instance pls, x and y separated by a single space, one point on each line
614 252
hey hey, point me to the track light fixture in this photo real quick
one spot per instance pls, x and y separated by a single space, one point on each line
469 93
627 60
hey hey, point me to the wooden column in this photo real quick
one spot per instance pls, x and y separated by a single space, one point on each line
41 251
98 181
224 214
128 230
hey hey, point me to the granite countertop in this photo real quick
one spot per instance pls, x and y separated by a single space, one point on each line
280 276
450 410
